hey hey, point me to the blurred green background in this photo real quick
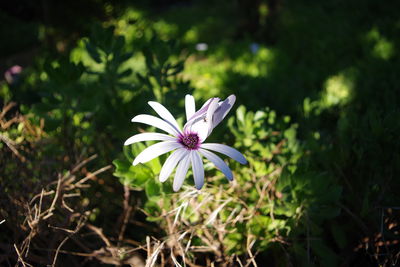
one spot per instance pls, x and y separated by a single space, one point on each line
318 99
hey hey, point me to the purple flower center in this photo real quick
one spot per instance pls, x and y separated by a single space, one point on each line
190 141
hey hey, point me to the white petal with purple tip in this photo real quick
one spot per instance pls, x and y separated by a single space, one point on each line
223 110
156 122
156 150
171 163
210 114
181 171
201 113
164 114
226 150
218 162
198 169
148 137
190 106
202 123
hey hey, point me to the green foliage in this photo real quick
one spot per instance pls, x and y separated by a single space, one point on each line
87 94
162 68
257 132
137 177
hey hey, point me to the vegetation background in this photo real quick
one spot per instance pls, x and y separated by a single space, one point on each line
317 116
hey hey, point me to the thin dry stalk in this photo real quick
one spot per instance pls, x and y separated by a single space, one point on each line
42 207
81 223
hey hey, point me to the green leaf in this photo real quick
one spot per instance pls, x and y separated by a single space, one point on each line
121 165
141 175
154 165
153 208
152 188
93 52
240 113
125 73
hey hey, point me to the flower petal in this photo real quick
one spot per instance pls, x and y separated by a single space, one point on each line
156 122
203 110
171 163
181 171
226 150
218 162
223 110
155 150
148 137
164 114
190 106
202 123
198 169
210 115
200 127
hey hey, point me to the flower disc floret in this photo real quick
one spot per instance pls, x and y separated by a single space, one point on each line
190 141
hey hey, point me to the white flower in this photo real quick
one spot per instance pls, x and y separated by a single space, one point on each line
188 145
